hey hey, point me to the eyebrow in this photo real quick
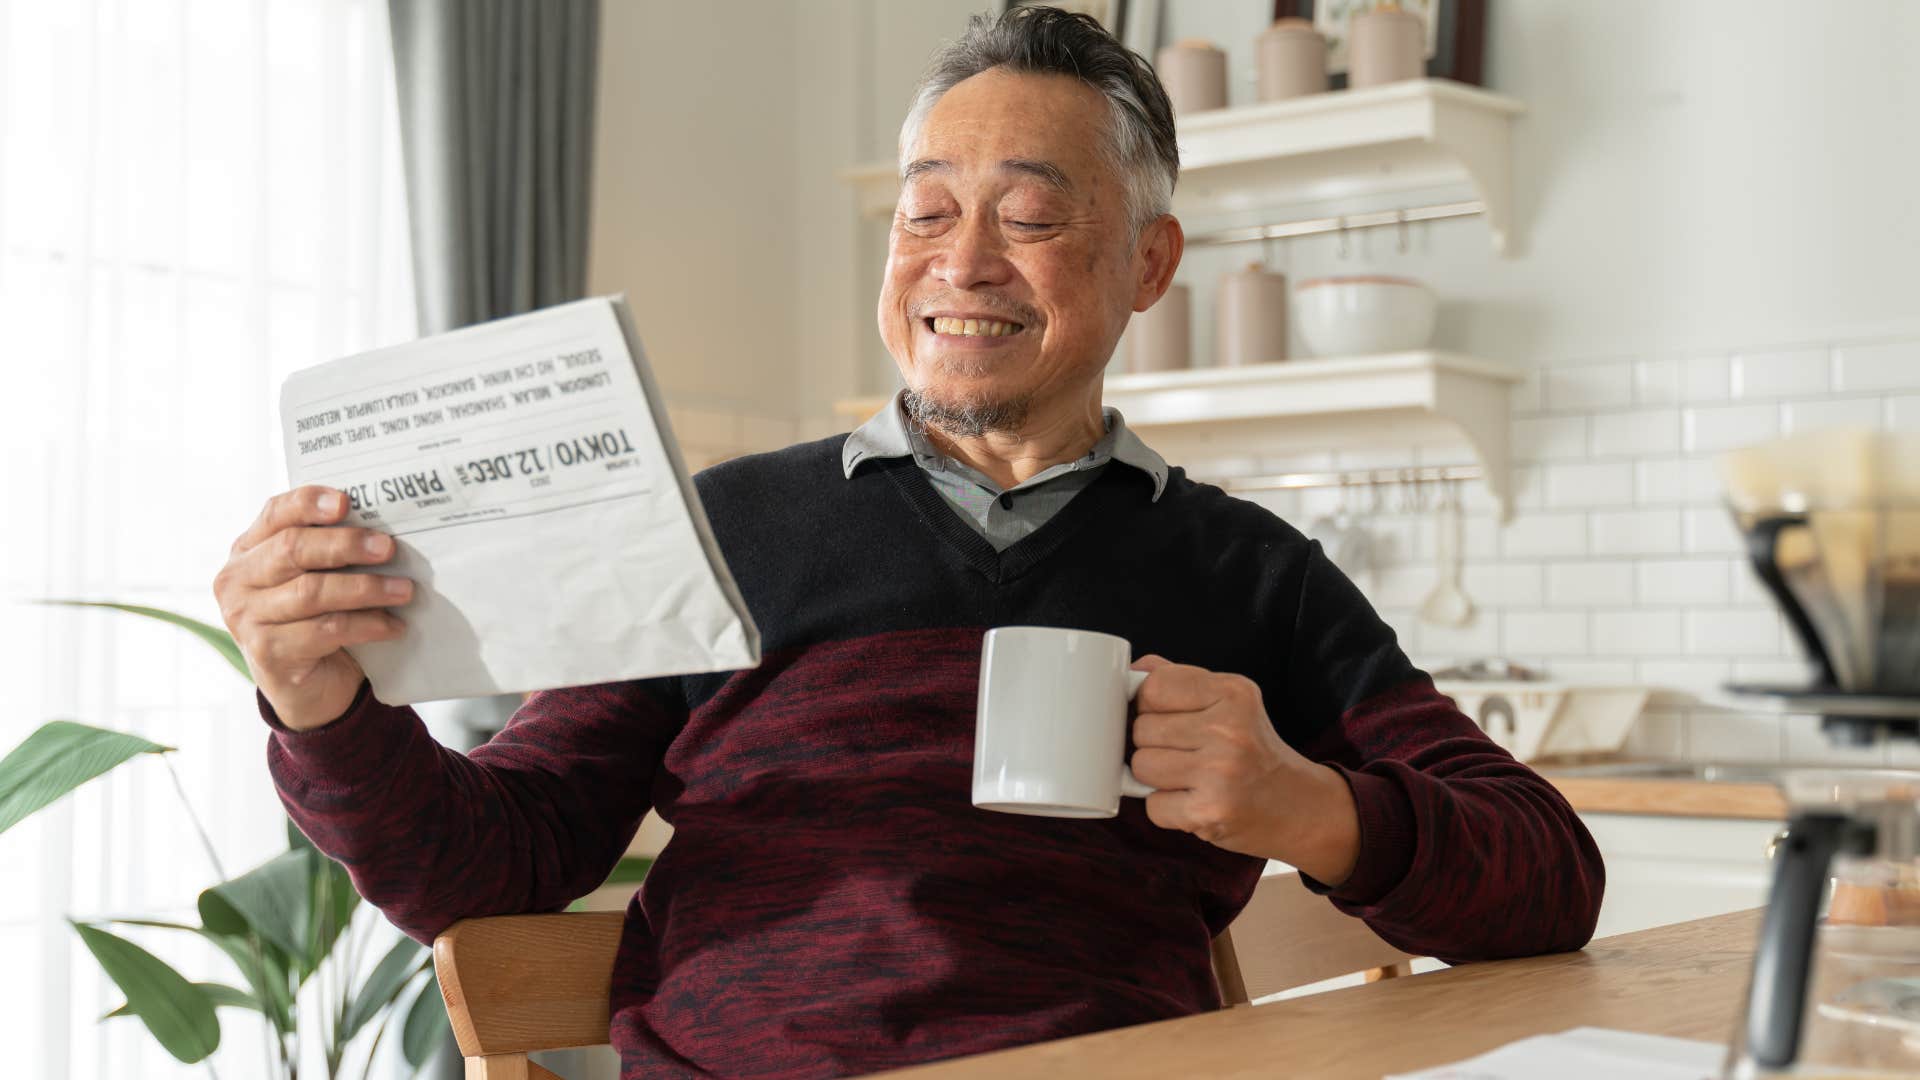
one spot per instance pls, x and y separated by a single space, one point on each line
1044 170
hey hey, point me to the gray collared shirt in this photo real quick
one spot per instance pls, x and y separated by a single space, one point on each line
1001 515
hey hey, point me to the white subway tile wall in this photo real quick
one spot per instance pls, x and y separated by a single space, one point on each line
1713 428
1780 374
1796 416
1881 366
1647 431
1621 564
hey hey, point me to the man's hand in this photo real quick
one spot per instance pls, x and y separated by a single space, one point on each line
292 622
1204 740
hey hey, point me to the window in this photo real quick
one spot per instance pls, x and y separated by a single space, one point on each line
196 198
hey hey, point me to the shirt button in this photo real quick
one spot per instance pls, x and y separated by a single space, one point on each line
1006 502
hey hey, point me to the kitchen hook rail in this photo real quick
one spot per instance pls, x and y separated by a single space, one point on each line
1425 474
1340 224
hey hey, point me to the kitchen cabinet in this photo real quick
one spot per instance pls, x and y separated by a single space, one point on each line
1663 870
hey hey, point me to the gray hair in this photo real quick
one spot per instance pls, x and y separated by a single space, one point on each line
1139 143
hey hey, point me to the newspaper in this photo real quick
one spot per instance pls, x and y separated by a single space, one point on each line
537 499
1587 1053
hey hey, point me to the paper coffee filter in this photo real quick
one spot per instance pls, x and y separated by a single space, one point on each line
1749 477
1820 469
1900 466
1838 467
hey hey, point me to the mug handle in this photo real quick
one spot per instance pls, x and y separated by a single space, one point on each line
1129 786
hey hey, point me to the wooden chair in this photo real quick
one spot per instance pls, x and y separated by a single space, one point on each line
1286 937
521 983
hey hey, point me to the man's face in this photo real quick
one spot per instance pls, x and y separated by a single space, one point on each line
1010 267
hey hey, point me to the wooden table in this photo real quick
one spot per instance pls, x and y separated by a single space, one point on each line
1683 980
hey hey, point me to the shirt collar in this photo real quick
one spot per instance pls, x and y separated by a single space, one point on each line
889 434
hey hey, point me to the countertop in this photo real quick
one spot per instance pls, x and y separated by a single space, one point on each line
1667 795
1683 980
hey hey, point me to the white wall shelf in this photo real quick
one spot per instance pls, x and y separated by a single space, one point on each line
1399 139
1216 420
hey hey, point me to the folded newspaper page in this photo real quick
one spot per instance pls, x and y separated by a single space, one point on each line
537 499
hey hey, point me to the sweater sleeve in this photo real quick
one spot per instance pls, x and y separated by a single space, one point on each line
529 822
1465 853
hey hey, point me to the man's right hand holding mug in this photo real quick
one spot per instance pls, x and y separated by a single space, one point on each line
290 620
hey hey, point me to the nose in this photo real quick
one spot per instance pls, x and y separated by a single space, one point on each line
974 254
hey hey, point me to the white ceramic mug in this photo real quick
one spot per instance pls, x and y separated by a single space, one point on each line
1051 732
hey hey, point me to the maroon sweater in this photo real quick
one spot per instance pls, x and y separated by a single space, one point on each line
831 902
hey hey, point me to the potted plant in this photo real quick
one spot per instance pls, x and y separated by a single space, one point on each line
284 924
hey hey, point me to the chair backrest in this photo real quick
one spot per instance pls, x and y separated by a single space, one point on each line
515 983
519 983
1287 937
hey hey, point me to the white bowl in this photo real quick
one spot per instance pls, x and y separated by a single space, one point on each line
1353 316
1538 720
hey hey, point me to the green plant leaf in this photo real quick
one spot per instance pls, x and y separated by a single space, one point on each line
158 923
219 993
298 902
390 977
221 640
267 975
334 899
426 1026
629 868
178 1013
59 757
273 900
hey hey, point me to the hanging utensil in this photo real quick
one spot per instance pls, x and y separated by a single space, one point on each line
1448 604
1354 552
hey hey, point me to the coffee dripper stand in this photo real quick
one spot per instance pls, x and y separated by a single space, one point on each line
1835 992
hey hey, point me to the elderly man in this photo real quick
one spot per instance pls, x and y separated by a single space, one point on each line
831 903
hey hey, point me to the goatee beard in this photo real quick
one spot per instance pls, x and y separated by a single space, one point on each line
967 419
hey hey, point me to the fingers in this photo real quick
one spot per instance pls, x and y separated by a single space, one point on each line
309 505
1200 813
1176 688
295 551
1170 809
317 594
1171 731
1167 770
323 635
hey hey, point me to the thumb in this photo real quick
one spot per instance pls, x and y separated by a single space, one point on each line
1151 662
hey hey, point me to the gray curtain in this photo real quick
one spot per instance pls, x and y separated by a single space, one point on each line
496 125
496 130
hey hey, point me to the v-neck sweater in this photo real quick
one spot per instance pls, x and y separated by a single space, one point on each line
831 903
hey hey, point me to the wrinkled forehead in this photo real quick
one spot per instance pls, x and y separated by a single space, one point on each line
1056 122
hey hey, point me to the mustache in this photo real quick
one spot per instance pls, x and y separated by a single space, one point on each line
998 307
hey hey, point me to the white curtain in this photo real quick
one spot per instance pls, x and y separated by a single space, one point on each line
197 197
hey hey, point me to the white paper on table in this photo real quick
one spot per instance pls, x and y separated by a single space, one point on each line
1587 1053
538 501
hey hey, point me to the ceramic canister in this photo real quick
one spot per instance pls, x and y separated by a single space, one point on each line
1252 317
1194 74
1291 57
1161 335
1386 45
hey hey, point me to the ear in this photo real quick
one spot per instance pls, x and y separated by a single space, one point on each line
1155 258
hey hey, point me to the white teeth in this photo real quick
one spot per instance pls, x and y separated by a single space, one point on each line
943 324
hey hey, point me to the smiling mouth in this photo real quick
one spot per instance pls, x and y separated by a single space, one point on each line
953 327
